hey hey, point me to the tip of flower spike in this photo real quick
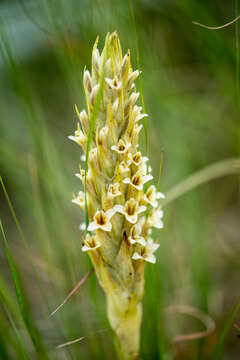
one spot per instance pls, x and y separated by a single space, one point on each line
96 42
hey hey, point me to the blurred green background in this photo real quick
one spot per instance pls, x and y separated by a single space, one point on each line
190 85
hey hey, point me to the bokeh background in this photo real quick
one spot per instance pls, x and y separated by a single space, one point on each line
190 79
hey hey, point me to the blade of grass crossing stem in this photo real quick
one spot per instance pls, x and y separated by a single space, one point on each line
25 313
131 10
22 349
220 343
22 236
13 212
8 298
92 123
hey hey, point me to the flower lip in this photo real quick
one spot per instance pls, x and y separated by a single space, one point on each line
138 158
135 235
102 220
155 218
152 196
113 190
90 243
114 83
78 137
131 210
81 175
138 180
121 147
80 199
123 167
146 252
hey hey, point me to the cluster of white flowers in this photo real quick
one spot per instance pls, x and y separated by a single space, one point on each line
122 205
125 193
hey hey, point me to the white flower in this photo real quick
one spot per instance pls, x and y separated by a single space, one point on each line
135 235
90 243
136 159
113 190
136 130
96 59
132 77
138 180
80 199
130 210
78 137
123 167
102 138
155 218
81 175
83 157
114 83
140 117
133 98
87 81
146 252
102 220
160 195
82 226
137 115
152 195
121 147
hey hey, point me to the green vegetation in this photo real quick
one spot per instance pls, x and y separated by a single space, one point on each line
190 89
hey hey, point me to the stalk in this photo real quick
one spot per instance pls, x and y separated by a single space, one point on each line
121 205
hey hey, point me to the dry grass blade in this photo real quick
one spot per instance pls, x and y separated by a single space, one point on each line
70 342
214 171
75 289
204 318
217 27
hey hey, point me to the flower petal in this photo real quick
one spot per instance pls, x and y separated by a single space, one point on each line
151 258
109 213
120 209
131 218
160 195
136 256
92 226
141 209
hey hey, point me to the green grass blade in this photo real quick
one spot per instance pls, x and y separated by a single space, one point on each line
145 126
13 214
24 309
8 298
217 354
23 351
23 238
